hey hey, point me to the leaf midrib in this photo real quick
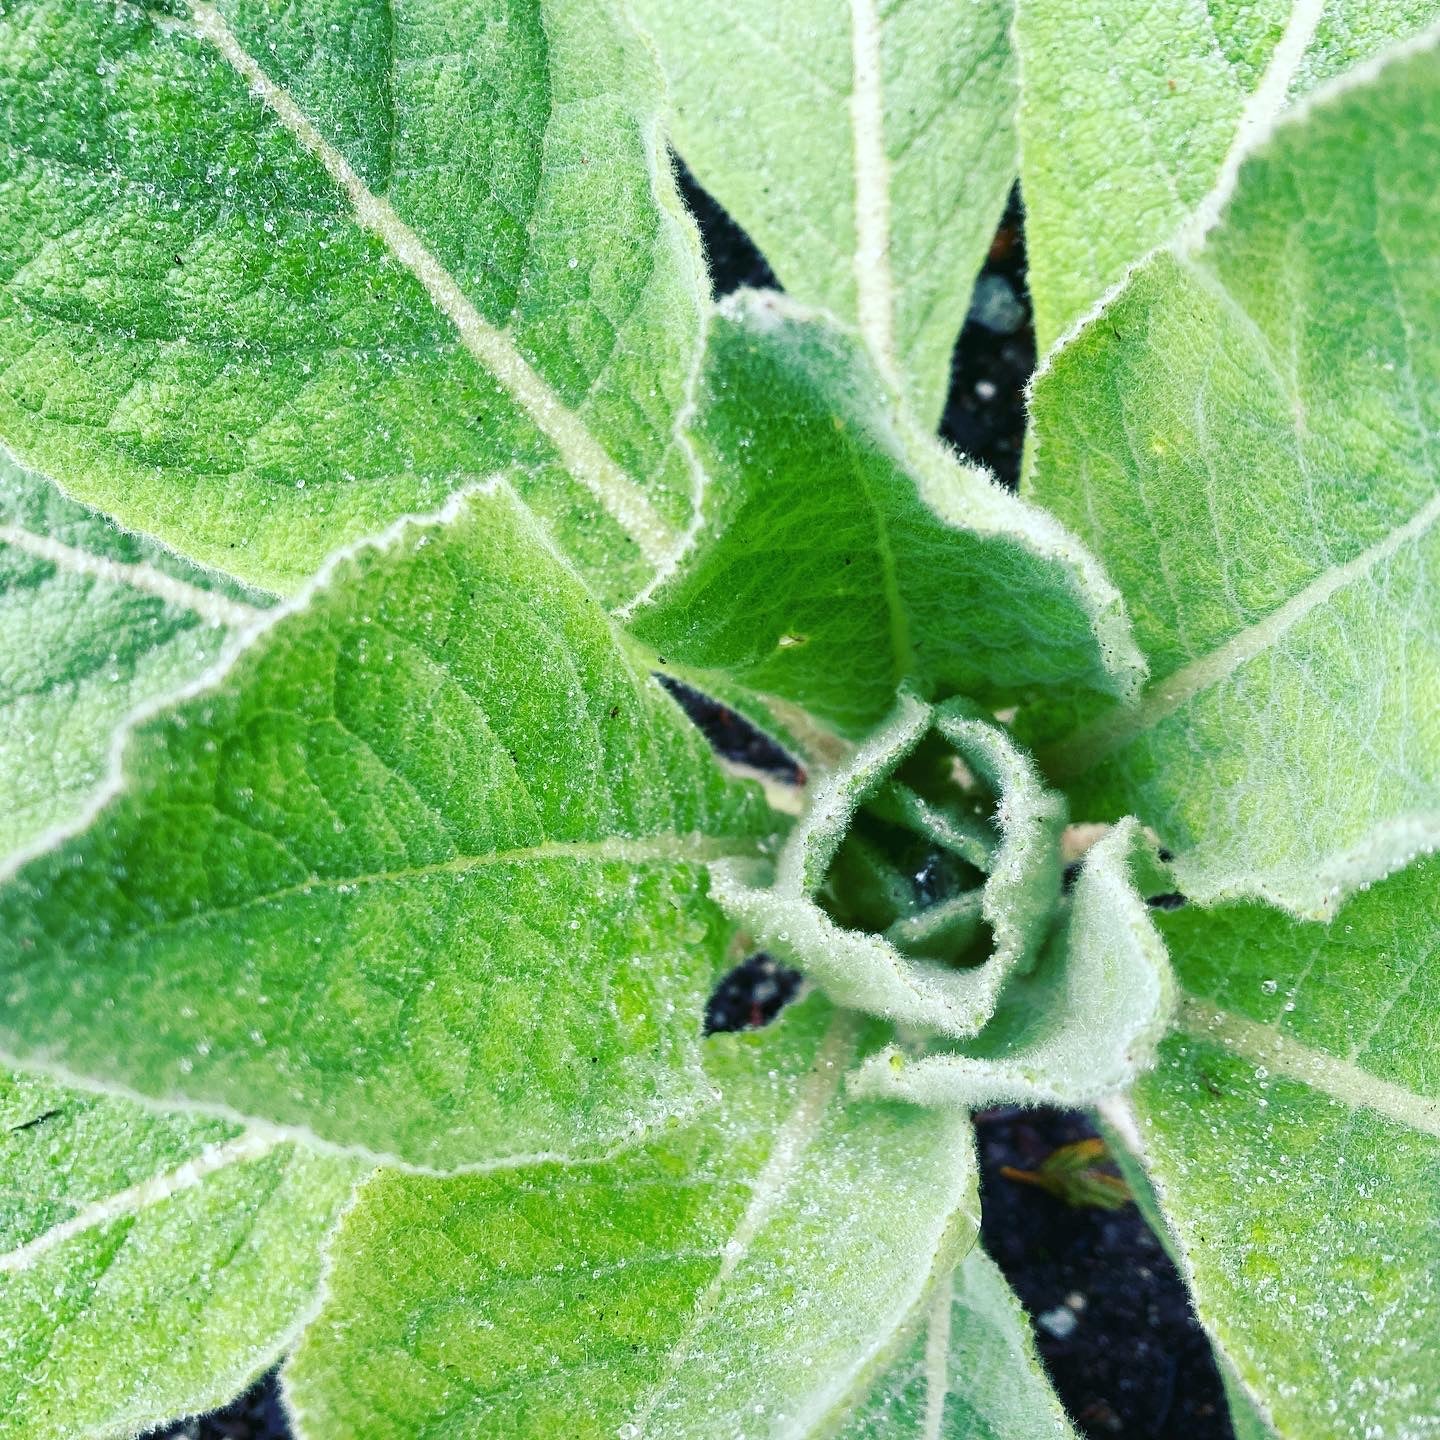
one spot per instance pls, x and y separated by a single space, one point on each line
154 1190
1341 1080
1118 727
211 606
492 348
768 1192
662 848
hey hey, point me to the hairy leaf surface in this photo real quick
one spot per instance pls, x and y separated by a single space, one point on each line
93 622
1082 1025
749 1274
843 553
971 1373
272 275
418 871
1292 1130
867 149
1135 116
912 972
1247 439
151 1265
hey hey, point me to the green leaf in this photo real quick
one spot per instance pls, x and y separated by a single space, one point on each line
276 275
1246 438
418 872
151 1265
1080 1027
1292 1131
903 565
1135 117
868 153
970 1374
911 973
750 1274
93 622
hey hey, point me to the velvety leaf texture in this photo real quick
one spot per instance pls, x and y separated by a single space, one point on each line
93 623
416 872
868 150
971 1373
150 1264
748 1275
1082 1025
902 565
272 275
1247 438
1293 1133
1135 115
910 971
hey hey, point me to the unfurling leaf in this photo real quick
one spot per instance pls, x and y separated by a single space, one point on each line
1083 1024
842 553
991 882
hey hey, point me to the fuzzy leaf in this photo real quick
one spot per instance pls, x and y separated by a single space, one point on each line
418 871
868 152
1081 1026
971 1372
93 622
1136 115
274 275
910 974
749 1274
1247 439
151 1265
1292 1130
903 565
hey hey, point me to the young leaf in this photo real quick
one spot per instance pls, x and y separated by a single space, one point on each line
151 1265
750 1274
903 565
903 974
971 1372
1083 1025
868 153
281 274
1246 437
418 871
1135 118
93 622
1292 1130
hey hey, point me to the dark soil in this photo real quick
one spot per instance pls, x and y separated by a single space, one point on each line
1113 1321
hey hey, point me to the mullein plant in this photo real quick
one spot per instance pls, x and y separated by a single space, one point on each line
372 440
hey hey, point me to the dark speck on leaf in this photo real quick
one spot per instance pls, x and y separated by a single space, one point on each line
32 1123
